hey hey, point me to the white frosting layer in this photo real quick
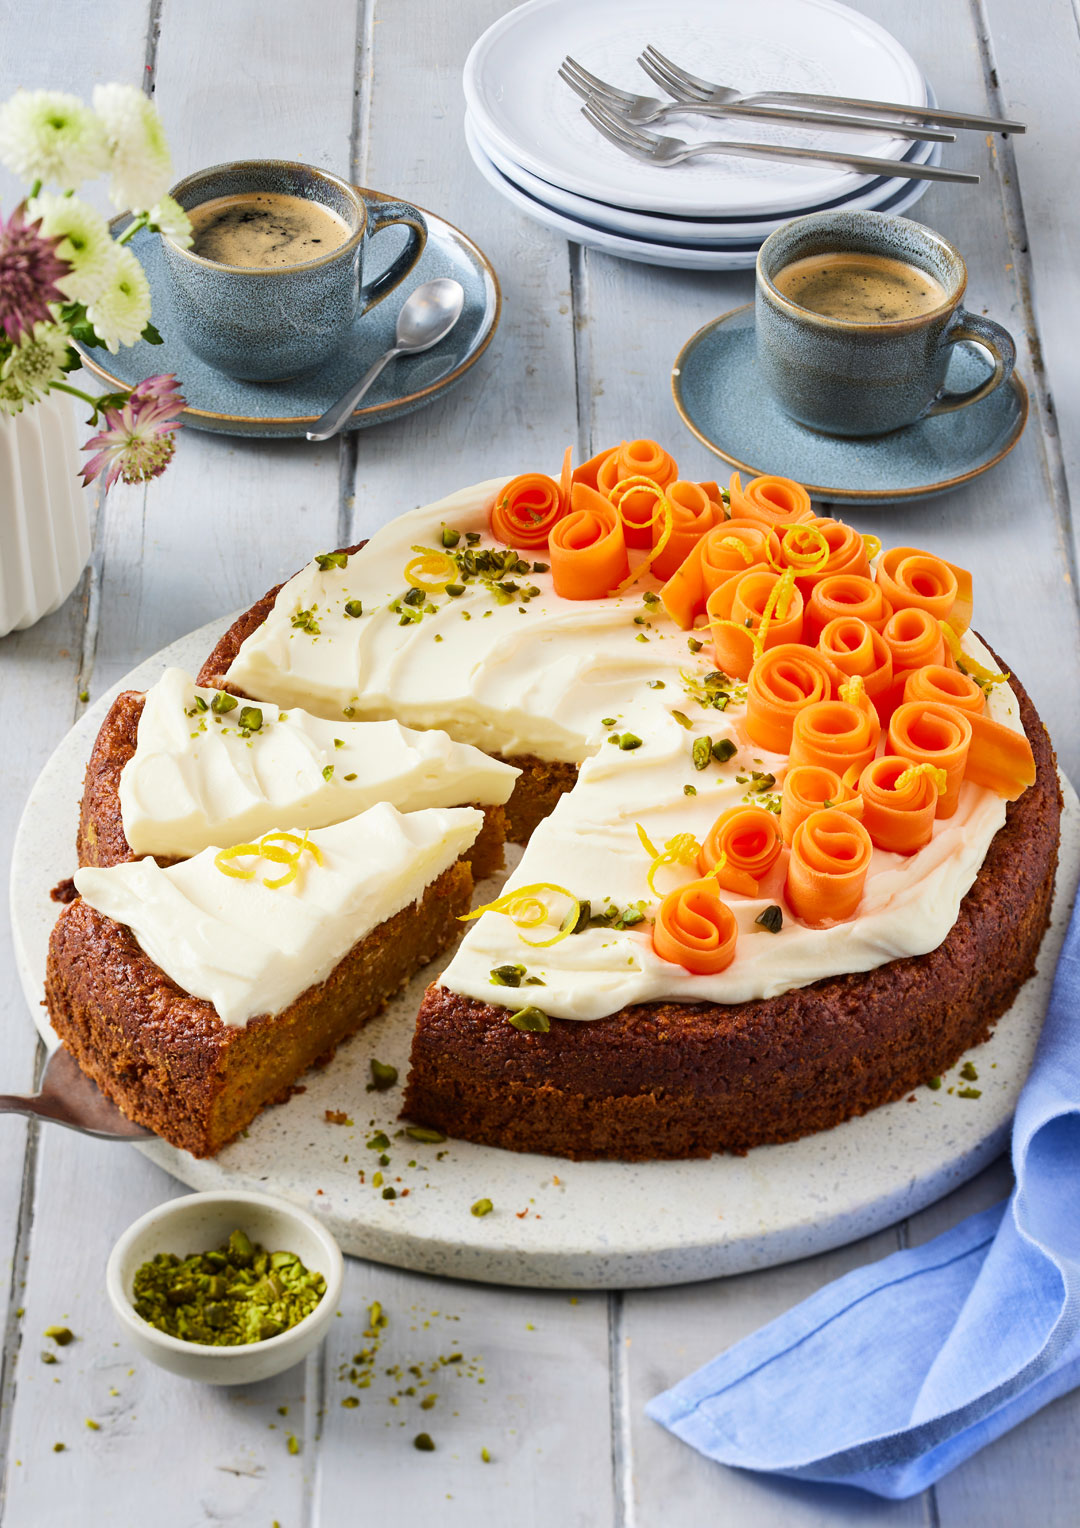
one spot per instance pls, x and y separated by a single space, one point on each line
198 778
542 682
251 950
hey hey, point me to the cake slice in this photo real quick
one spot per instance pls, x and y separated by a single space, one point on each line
198 993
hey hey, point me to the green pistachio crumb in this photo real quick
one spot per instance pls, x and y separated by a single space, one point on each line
531 1020
472 537
354 609
608 721
701 752
507 976
724 749
641 637
772 919
969 1092
485 1454
426 1133
541 567
428 1402
223 702
58 1448
350 1402
968 1072
682 719
49 1358
328 772
84 696
657 684
450 537
293 1444
629 741
349 777
383 1076
93 1426
328 560
934 1083
61 1335
694 645
389 1193
482 1207
339 742
689 790
423 1442
251 718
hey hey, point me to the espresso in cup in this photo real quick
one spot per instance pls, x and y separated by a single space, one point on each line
261 229
863 289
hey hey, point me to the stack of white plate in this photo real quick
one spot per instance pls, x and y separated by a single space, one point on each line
527 136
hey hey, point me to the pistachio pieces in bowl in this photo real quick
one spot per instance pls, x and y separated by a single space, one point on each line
227 1288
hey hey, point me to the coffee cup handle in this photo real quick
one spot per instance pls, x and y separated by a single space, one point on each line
382 215
991 336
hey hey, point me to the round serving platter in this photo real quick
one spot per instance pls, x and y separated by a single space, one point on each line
554 1223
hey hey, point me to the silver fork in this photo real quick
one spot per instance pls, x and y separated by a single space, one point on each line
641 109
639 143
688 87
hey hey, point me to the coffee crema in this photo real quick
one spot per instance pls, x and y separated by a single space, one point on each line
264 229
860 288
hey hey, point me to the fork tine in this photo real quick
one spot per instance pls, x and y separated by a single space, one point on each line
631 130
579 86
617 129
673 86
619 139
688 80
599 87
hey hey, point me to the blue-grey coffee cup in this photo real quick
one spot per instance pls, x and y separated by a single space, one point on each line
857 378
265 324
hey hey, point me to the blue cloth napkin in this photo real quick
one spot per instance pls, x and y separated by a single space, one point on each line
889 1377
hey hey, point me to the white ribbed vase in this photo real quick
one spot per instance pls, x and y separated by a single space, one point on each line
44 528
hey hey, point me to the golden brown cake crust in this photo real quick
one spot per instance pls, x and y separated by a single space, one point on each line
166 1058
678 1080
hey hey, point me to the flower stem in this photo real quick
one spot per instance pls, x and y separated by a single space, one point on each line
66 387
35 190
133 227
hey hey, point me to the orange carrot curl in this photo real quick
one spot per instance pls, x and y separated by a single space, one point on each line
636 459
999 758
914 580
769 501
696 929
845 594
693 513
844 552
587 547
813 788
936 682
926 732
830 856
856 648
741 848
526 509
749 614
784 681
899 802
837 734
720 554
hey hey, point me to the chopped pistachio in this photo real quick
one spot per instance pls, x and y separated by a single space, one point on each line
351 776
61 1335
428 1402
328 772
354 608
682 719
423 1442
389 1193
772 919
724 749
657 684
689 790
701 752
507 976
426 1133
694 645
351 1401
328 560
450 537
485 1454
629 741
608 721
968 1072
969 1092
541 567
383 1076
293 1444
251 718
223 702
531 1020
934 1083
480 1208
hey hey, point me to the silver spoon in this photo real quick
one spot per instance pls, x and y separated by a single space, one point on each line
68 1097
427 317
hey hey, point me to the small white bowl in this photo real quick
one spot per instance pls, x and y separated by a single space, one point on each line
197 1223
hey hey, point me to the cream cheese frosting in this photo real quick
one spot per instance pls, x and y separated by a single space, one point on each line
199 776
249 949
562 679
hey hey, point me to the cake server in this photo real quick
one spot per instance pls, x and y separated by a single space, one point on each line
68 1097
426 317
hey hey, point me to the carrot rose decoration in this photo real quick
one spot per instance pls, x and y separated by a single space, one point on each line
636 459
914 580
813 788
784 681
526 509
855 648
823 548
696 929
722 553
914 638
587 547
692 514
840 594
747 615
929 733
936 682
741 848
899 802
830 855
769 501
999 758
837 734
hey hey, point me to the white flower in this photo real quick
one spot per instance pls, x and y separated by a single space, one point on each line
168 217
39 361
13 395
122 311
49 136
139 163
85 241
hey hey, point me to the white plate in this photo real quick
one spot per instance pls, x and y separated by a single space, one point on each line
583 1224
664 229
718 257
514 94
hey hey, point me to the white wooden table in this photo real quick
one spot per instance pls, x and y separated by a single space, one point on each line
551 1386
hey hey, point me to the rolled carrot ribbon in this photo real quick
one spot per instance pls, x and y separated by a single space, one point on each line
737 614
721 553
856 648
813 788
784 681
693 513
769 501
899 803
914 580
696 929
999 758
745 842
587 547
845 552
914 638
845 594
927 732
830 856
526 509
636 458
837 734
936 682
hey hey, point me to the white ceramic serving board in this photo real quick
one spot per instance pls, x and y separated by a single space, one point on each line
558 1224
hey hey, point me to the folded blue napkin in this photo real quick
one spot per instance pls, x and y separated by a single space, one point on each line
889 1377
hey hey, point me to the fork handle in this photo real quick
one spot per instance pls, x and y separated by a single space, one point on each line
897 168
824 119
928 114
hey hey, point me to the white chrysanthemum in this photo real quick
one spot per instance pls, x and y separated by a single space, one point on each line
52 137
122 311
85 242
169 218
38 362
139 164
13 395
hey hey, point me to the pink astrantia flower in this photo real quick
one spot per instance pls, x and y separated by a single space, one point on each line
29 271
141 437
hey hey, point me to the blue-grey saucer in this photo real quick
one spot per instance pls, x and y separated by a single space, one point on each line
276 409
724 401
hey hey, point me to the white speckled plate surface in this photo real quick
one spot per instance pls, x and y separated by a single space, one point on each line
560 1224
517 99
